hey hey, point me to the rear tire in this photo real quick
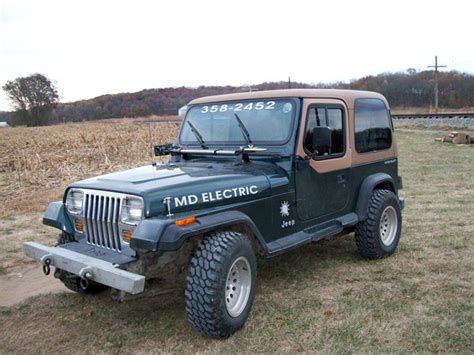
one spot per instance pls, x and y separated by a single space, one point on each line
378 235
221 284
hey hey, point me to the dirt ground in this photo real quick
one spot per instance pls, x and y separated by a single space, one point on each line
24 283
323 297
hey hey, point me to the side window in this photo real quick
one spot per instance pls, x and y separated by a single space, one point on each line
324 135
373 130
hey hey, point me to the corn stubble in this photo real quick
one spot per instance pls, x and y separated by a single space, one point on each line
36 164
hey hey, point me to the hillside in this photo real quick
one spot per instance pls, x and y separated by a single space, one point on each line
409 89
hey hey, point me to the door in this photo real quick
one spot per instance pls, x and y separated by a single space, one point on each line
322 179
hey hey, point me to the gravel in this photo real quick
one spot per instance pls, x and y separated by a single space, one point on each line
455 122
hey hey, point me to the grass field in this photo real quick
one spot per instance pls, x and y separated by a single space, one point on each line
322 297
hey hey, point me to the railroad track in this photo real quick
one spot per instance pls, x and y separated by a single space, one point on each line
461 120
459 115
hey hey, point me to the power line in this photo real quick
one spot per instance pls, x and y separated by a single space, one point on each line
436 66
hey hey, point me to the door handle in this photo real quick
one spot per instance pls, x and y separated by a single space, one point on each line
341 179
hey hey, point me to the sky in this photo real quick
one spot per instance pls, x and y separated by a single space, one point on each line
91 48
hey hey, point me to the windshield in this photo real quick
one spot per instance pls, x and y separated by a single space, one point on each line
267 122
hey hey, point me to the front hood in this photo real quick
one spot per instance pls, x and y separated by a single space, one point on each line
191 185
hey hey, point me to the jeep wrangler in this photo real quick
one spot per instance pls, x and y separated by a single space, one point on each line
249 174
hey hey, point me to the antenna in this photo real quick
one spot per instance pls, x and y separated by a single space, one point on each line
436 66
151 144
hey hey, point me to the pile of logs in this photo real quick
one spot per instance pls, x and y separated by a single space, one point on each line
456 138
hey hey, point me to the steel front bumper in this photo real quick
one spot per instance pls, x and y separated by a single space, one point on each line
86 266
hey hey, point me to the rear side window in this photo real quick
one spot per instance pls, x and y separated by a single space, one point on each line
373 130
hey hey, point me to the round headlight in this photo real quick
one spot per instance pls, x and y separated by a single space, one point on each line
74 201
132 210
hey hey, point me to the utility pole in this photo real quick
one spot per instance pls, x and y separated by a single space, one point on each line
436 66
289 83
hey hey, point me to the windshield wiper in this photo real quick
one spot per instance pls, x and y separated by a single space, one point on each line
197 135
245 133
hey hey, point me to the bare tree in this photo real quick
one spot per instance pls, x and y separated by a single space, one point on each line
32 97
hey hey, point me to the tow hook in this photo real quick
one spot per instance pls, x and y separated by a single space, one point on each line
86 275
47 261
84 283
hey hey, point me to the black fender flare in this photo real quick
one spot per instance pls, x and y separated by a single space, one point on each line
56 216
172 237
366 189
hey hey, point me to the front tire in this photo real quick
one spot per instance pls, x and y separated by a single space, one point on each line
378 235
221 284
76 284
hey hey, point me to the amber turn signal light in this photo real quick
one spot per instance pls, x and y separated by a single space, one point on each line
185 221
126 235
78 225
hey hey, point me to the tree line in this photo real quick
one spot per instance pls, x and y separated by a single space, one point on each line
412 89
408 89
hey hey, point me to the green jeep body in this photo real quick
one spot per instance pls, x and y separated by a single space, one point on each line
278 194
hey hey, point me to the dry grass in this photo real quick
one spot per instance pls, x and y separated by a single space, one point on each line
322 297
16 230
36 164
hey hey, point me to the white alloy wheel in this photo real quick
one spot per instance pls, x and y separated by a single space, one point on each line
388 225
237 286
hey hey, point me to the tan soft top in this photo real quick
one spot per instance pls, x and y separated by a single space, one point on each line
348 96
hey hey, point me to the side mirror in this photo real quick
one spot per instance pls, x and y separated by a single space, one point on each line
182 111
163 149
321 141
